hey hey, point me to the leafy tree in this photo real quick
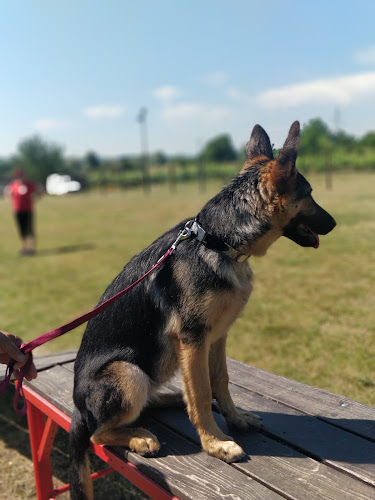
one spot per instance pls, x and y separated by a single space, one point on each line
313 135
219 149
159 158
92 160
368 140
343 139
6 167
40 158
181 160
128 163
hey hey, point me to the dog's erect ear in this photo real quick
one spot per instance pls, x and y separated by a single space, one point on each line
288 154
259 144
284 170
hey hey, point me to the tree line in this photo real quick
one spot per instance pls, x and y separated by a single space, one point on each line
320 148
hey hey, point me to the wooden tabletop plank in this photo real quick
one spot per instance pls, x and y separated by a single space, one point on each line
47 361
69 366
189 472
56 386
277 465
338 410
316 438
192 474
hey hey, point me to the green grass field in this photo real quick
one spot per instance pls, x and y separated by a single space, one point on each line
311 316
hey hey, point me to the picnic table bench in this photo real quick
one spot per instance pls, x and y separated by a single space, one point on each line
314 444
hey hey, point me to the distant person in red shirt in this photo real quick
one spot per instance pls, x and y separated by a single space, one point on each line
22 194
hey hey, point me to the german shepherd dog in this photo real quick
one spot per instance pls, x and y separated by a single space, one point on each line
180 314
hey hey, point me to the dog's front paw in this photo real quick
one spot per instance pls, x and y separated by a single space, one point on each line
145 444
244 420
228 451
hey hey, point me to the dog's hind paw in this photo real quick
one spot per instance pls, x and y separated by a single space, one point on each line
244 420
252 419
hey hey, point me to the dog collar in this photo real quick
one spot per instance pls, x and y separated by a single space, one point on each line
214 243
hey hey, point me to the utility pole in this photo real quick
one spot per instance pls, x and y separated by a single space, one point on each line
142 120
200 168
336 121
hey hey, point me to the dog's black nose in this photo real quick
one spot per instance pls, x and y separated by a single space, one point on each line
327 224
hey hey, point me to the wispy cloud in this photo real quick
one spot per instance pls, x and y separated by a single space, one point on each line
98 112
45 124
216 78
183 110
366 56
188 110
175 109
338 90
167 93
236 94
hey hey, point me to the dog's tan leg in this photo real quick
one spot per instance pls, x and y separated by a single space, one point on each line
134 385
238 419
196 378
137 439
166 400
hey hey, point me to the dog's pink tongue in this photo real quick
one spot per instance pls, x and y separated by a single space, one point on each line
317 240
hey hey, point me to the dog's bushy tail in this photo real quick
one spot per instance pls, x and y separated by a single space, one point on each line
79 440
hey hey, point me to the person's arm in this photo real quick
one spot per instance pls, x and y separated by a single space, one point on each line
9 349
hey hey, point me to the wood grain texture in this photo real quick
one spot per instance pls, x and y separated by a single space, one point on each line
303 453
181 466
314 437
338 410
192 474
50 360
56 386
47 361
280 467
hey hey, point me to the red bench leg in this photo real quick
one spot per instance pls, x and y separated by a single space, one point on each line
43 424
42 434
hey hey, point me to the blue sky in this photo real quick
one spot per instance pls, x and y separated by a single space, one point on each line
77 72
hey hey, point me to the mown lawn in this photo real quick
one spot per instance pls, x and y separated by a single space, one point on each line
311 316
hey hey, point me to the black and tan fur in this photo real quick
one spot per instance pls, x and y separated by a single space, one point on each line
180 315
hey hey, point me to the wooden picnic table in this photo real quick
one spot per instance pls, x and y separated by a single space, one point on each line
314 444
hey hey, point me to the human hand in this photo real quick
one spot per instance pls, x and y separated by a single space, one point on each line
9 349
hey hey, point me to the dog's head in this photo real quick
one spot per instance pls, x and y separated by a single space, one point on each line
287 194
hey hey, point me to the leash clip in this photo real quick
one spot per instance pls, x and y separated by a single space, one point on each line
182 235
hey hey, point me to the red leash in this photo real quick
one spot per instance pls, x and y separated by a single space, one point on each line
57 332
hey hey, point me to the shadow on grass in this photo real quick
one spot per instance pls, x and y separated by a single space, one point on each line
65 249
14 436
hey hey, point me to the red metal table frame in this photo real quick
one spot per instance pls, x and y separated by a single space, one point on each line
44 419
